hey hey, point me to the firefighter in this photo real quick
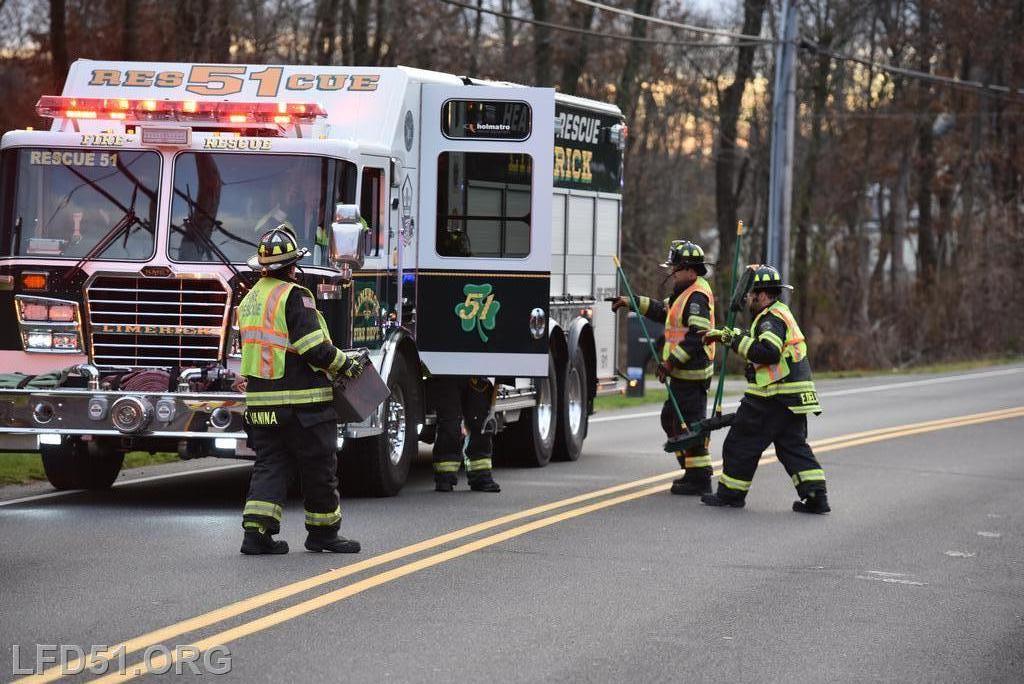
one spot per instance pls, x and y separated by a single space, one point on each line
779 395
686 361
457 399
288 361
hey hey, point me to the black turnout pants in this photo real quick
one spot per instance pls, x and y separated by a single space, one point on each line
758 423
692 397
456 399
286 439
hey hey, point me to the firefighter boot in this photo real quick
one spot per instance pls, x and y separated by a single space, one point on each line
815 502
256 543
724 497
330 541
481 481
445 482
694 481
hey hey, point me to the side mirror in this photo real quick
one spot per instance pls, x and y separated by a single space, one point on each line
346 249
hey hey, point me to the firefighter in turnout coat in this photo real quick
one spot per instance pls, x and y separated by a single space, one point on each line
780 393
686 361
289 361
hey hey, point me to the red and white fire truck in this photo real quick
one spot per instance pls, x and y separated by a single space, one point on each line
124 231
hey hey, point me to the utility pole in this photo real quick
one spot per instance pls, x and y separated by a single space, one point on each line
780 194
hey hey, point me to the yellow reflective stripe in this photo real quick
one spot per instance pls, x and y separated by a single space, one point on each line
699 322
447 466
681 354
733 483
699 374
338 362
772 338
253 525
744 345
780 388
307 342
324 519
643 303
805 409
479 464
285 397
815 475
264 508
698 461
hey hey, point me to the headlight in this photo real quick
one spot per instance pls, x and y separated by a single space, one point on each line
49 325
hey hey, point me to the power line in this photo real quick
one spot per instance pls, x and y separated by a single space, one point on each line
595 34
675 24
986 88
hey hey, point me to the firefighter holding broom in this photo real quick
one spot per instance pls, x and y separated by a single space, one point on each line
780 393
686 363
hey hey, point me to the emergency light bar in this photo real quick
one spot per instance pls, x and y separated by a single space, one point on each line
281 113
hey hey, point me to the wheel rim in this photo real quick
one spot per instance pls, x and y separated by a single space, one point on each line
395 425
574 400
544 410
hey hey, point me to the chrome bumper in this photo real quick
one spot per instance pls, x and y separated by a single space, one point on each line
25 414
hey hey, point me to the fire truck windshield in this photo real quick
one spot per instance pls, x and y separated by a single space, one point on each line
75 203
228 200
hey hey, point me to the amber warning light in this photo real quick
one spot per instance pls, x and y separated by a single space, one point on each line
279 113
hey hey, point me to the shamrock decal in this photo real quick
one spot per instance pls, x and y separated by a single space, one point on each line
479 310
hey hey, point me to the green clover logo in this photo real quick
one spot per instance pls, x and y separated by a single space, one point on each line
479 310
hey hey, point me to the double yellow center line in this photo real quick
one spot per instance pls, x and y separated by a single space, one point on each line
615 496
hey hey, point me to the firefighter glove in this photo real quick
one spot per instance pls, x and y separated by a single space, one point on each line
620 303
354 364
723 335
664 371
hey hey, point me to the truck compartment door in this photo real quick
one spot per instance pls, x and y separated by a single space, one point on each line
484 262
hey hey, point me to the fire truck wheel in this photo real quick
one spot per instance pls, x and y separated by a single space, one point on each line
530 441
379 465
573 416
70 466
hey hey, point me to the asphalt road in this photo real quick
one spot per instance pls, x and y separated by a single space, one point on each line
917 575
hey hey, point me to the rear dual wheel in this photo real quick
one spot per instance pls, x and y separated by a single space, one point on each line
530 441
573 412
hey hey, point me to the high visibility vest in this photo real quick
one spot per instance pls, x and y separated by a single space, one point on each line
677 325
263 328
790 376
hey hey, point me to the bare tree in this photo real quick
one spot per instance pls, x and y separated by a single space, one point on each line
727 176
58 42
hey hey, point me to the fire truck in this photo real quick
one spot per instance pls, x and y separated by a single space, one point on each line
480 250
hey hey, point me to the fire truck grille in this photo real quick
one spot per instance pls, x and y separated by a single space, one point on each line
156 322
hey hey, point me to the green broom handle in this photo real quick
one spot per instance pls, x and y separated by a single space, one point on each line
650 343
730 319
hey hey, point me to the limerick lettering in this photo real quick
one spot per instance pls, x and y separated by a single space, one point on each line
175 330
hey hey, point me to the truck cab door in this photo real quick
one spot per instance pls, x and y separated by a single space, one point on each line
484 249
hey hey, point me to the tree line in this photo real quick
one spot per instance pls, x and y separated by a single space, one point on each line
907 238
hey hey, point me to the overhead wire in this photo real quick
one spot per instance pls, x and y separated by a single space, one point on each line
739 40
676 24
987 88
597 34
